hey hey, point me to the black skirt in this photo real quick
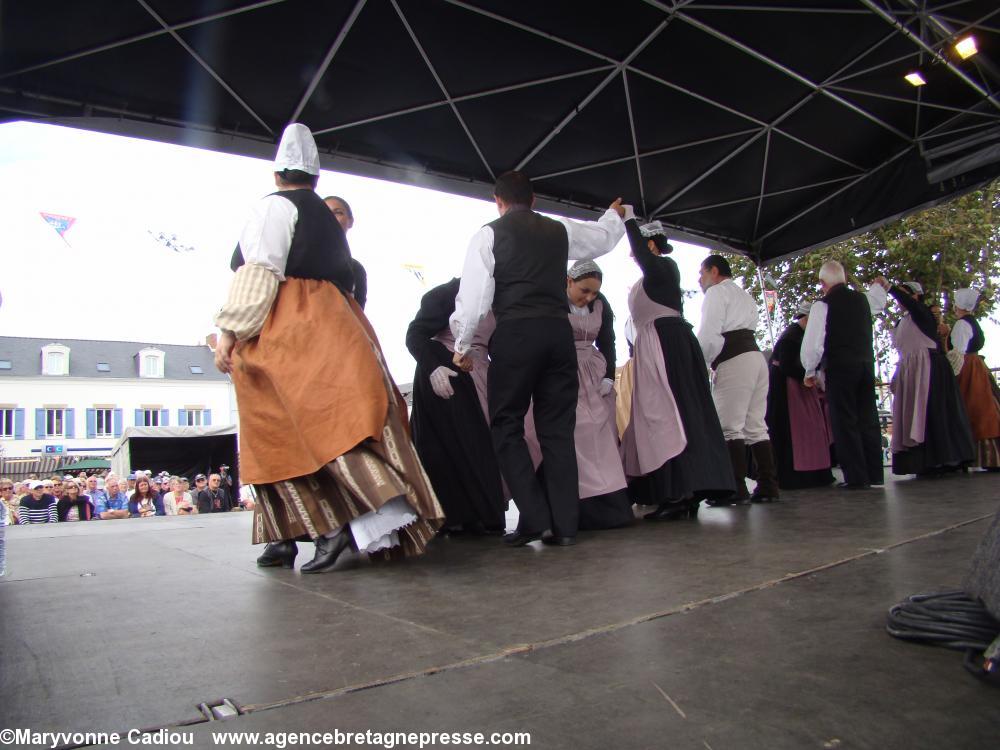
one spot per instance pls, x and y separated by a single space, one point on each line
948 442
609 511
454 444
696 473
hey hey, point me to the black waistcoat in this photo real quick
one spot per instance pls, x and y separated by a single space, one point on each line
848 337
319 246
978 340
530 252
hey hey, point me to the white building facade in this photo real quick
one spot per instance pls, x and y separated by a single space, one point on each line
75 397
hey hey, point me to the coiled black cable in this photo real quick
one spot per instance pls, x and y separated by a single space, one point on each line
953 620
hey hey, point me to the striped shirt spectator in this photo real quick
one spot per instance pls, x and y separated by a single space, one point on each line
37 507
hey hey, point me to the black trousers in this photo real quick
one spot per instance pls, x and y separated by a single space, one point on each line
850 392
535 359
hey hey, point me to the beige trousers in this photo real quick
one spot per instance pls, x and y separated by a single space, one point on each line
739 389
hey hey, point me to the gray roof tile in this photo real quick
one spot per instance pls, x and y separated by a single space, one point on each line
25 356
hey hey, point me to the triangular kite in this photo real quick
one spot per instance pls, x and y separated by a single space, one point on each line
60 223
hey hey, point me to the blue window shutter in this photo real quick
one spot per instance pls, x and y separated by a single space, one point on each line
39 424
206 417
19 424
164 417
69 423
138 418
117 417
91 423
182 417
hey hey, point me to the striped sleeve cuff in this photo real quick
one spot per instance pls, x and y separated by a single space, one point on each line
251 295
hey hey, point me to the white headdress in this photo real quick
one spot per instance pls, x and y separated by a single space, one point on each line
297 150
966 298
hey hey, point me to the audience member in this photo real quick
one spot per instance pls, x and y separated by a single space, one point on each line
145 500
214 499
73 506
115 503
177 501
37 507
95 490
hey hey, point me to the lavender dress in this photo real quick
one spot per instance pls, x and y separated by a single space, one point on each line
604 501
673 445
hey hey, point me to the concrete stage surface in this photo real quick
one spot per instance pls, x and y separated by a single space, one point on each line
752 627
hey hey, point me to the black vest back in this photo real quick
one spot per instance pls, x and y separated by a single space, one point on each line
319 246
530 252
978 340
848 328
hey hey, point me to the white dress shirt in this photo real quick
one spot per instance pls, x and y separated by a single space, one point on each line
587 240
961 335
815 335
727 307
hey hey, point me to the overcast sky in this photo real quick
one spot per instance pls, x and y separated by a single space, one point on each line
109 278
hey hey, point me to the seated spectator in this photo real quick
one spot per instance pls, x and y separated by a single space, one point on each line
177 501
145 501
37 507
186 485
129 487
95 490
115 504
7 498
73 506
53 487
200 483
213 499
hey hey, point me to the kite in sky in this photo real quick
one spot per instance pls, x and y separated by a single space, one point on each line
58 222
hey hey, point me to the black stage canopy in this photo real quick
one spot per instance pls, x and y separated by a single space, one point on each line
766 126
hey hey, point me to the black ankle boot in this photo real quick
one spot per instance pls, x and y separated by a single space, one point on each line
278 553
327 552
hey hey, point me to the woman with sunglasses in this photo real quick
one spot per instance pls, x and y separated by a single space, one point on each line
74 506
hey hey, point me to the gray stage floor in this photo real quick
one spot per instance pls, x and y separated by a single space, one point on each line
757 627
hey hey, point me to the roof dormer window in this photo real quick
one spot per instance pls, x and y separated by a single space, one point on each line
150 362
55 359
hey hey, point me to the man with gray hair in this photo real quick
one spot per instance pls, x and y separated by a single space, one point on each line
838 337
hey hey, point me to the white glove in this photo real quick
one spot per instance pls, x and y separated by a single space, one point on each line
439 381
607 385
629 212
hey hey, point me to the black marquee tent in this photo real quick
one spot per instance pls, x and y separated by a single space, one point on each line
766 126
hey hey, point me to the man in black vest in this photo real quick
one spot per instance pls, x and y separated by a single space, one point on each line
516 265
839 335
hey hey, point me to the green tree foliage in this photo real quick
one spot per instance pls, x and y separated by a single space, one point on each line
944 248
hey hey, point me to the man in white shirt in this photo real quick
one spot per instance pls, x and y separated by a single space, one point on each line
839 335
740 379
516 266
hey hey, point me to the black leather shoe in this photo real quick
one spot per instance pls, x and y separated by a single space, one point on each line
762 498
559 541
517 539
847 486
278 553
327 552
668 512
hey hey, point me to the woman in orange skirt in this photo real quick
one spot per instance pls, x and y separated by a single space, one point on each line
975 383
323 437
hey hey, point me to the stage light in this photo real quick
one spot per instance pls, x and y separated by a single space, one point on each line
966 48
915 78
